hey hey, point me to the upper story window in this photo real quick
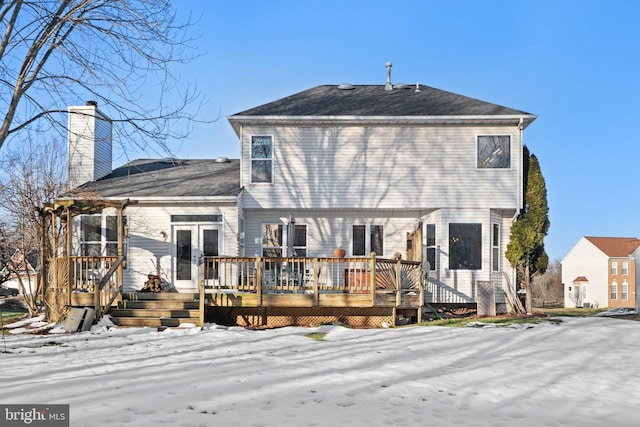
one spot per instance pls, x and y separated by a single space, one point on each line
465 246
614 268
493 152
364 243
625 268
261 158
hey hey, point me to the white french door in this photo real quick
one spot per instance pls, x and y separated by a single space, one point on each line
192 242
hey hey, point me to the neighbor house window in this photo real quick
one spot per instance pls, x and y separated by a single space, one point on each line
367 239
99 235
272 240
614 290
465 246
614 268
495 247
494 152
261 159
625 291
625 268
431 246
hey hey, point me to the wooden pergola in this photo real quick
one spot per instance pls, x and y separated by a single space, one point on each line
71 280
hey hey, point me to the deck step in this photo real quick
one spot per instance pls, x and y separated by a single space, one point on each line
139 322
159 305
140 309
119 312
161 296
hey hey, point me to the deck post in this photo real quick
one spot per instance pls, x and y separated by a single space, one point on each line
316 290
69 250
201 301
372 279
259 280
398 283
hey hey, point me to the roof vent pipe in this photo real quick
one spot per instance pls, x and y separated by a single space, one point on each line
388 86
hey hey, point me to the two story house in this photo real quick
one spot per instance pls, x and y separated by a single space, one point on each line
601 272
397 170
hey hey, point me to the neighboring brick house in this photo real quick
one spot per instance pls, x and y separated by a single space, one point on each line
601 272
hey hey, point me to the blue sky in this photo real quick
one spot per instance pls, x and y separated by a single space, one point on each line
573 63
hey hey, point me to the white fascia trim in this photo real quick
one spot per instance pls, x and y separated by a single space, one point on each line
192 199
515 119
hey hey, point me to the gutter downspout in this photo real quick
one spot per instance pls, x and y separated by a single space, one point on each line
520 197
521 175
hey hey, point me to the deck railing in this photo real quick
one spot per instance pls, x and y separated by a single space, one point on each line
370 276
83 275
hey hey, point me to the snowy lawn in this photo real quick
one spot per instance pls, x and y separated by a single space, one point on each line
578 372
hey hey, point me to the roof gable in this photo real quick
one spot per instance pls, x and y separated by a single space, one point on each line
374 100
615 247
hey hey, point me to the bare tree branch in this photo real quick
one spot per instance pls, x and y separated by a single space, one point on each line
59 53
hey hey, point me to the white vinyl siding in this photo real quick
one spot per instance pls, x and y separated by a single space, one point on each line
389 167
150 236
328 230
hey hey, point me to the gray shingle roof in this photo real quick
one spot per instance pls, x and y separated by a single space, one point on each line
170 178
373 100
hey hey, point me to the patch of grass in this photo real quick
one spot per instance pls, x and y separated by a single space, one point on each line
318 336
10 316
498 321
569 312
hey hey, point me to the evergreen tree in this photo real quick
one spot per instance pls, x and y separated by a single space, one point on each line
525 250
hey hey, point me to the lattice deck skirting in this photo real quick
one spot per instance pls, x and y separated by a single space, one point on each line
273 317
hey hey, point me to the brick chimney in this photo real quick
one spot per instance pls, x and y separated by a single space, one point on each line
89 144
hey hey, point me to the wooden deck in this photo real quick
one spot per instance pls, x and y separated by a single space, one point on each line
259 291
374 288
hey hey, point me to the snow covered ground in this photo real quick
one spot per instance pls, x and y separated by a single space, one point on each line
578 372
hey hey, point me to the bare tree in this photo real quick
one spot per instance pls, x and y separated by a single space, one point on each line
547 289
56 53
31 175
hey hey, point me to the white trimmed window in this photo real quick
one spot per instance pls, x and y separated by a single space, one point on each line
261 158
300 240
495 247
625 268
99 235
465 246
614 290
625 291
272 240
493 152
367 239
614 268
431 246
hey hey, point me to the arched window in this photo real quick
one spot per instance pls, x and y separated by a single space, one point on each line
614 290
